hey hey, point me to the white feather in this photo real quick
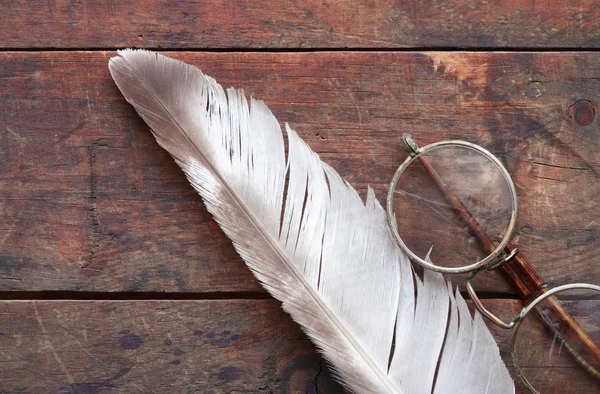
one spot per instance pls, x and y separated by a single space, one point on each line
311 241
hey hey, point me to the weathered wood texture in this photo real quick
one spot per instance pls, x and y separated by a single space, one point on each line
299 24
88 201
91 347
548 374
229 346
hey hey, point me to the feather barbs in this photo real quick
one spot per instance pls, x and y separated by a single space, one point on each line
309 238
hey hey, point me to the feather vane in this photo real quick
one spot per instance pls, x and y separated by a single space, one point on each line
310 239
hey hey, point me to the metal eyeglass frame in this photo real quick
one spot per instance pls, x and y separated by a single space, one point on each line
490 262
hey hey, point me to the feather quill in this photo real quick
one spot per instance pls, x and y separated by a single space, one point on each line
310 239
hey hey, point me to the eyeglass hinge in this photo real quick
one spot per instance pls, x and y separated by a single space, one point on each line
498 261
410 145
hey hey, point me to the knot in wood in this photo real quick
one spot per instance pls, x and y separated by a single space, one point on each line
582 112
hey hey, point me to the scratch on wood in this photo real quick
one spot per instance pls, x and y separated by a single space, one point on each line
16 135
146 325
550 179
96 233
90 267
50 346
7 234
86 351
360 122
11 278
71 132
559 166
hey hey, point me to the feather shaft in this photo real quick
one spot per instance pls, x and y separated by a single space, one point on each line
308 237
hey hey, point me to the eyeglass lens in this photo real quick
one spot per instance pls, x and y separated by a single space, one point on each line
550 355
426 220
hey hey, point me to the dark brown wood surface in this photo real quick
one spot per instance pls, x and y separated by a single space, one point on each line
192 24
222 346
90 202
206 346
113 276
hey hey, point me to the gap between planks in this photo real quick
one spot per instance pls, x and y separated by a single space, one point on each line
161 296
310 50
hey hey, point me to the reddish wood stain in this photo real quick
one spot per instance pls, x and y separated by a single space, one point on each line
90 206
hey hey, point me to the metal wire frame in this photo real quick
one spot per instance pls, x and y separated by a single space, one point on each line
494 258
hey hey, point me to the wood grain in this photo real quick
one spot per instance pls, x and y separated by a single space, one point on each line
548 374
89 202
227 346
265 24
92 208
234 346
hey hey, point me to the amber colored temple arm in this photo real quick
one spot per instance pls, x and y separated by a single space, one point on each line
515 268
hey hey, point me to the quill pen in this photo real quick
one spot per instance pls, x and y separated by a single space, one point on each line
311 241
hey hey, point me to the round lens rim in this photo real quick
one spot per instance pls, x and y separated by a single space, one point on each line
525 311
392 217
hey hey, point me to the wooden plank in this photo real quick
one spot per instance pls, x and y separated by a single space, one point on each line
181 346
308 24
169 347
556 374
88 201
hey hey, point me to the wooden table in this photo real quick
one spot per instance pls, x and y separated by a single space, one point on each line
113 276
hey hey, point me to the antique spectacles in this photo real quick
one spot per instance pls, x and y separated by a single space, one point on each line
452 207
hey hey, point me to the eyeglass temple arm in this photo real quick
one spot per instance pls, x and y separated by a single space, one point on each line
482 309
565 343
505 267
